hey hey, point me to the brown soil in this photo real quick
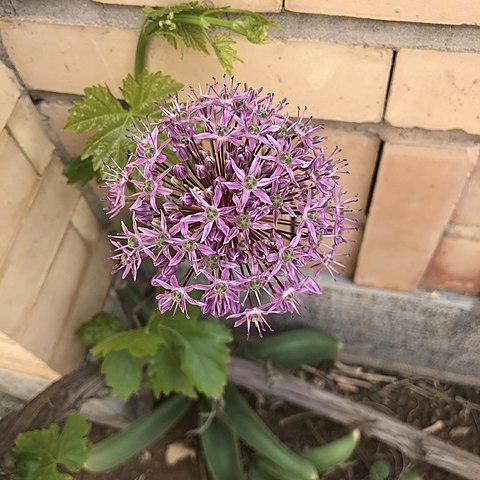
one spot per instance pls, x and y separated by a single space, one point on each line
451 412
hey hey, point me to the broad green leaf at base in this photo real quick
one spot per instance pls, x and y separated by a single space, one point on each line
123 373
202 348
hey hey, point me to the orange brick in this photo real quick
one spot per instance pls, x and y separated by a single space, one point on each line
254 5
455 266
25 126
361 151
451 12
468 208
10 92
68 352
15 195
50 310
35 246
86 223
66 58
435 90
415 194
56 114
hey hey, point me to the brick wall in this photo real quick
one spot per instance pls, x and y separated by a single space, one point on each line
54 271
398 87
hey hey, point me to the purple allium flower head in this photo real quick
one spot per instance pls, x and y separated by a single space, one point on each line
228 186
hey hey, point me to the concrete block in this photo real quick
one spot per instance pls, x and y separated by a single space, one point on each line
416 191
25 126
416 334
67 58
435 90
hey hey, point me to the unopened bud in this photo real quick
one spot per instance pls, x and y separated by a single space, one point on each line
180 171
200 171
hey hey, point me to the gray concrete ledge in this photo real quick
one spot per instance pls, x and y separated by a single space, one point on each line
378 33
421 333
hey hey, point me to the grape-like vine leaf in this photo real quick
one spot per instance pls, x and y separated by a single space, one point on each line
222 45
99 110
38 453
189 24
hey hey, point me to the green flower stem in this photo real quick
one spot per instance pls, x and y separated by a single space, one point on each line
206 22
147 31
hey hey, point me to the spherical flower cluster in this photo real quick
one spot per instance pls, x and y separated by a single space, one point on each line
228 186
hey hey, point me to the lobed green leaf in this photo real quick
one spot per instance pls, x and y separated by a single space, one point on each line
38 453
138 343
79 170
100 110
165 375
222 46
202 348
123 373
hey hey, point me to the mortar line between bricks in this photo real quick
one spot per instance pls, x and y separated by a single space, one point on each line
389 82
383 129
302 26
374 180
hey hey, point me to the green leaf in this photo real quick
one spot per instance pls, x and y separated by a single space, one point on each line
203 350
123 373
380 470
39 452
139 435
139 343
255 27
100 110
101 326
192 23
143 94
79 170
165 375
193 36
222 45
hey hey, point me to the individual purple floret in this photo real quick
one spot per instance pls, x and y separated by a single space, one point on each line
232 198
